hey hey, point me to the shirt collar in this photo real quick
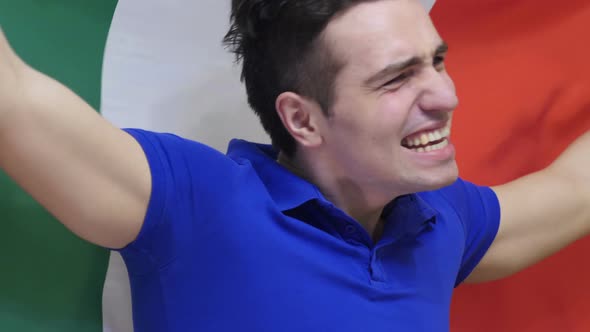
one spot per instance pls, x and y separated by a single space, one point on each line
287 189
407 214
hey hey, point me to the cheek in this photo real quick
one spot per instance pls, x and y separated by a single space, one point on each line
351 118
371 124
391 116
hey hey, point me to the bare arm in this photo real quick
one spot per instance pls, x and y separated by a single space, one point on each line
541 213
92 176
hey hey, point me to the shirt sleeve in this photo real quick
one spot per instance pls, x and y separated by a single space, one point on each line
478 209
181 173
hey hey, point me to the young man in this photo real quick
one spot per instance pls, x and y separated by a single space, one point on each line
353 220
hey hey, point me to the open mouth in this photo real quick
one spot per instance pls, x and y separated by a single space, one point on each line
428 141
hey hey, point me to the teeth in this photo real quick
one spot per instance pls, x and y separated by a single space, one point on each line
429 137
424 139
435 147
446 131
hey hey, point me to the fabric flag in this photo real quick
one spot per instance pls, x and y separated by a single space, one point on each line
52 281
523 85
523 79
165 70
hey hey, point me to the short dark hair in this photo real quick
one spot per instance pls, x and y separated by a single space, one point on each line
280 46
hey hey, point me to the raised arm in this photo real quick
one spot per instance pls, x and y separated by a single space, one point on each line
541 213
90 175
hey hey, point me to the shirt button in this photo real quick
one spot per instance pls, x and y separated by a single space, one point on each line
350 229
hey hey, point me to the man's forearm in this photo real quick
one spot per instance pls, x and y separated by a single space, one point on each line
12 72
57 148
574 165
541 213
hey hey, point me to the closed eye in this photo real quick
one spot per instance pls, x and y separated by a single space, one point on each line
398 79
439 61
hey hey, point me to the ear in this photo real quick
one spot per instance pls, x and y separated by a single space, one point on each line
300 117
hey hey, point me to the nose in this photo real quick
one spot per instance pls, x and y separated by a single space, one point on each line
438 91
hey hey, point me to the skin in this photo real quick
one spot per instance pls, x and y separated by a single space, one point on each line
95 178
355 155
356 158
90 175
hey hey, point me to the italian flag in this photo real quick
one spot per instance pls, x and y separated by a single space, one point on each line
523 81
521 68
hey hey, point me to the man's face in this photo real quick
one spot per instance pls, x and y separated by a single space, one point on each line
390 120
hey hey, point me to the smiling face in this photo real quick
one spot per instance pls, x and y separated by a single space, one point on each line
390 121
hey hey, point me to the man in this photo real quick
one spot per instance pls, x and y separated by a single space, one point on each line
538 113
355 220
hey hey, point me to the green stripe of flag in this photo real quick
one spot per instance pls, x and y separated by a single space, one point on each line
51 280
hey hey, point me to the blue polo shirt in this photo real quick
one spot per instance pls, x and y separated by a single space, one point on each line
237 243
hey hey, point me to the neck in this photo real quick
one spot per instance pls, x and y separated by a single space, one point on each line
358 202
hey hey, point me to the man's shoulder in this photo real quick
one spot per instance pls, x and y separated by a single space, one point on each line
469 202
460 195
177 149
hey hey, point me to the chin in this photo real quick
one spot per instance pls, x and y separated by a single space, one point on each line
433 180
444 180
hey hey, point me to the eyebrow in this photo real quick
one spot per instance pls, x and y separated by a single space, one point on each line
400 66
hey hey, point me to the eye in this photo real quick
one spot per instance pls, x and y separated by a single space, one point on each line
439 61
398 79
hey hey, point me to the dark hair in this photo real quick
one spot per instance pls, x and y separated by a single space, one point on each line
280 46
